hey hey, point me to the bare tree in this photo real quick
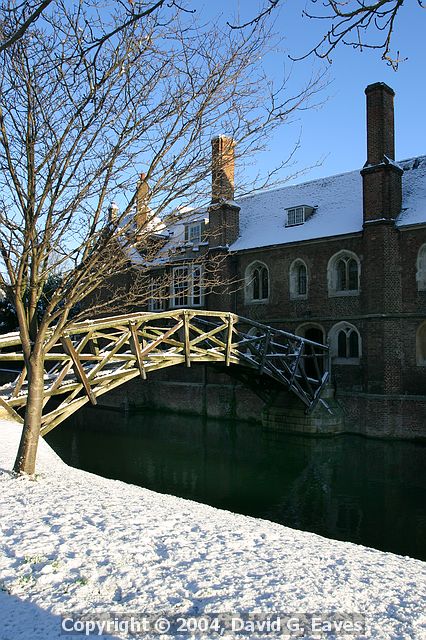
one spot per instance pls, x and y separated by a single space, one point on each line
356 23
359 24
78 124
17 18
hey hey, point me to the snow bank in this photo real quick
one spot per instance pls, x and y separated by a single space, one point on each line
75 542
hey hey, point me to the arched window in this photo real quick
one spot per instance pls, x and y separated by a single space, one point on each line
257 282
345 343
421 269
298 279
421 345
343 274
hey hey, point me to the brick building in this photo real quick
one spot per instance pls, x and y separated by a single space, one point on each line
339 260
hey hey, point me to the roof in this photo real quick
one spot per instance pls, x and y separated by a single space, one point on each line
413 209
337 203
175 246
338 208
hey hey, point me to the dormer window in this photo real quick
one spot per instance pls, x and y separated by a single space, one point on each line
194 231
298 215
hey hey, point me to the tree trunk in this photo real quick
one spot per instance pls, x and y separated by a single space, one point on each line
27 452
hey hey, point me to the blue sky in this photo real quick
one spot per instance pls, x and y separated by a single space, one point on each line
334 134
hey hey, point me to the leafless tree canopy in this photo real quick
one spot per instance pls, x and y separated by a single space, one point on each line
357 23
79 123
360 24
18 17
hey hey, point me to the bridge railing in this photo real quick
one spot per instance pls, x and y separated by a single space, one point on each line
92 357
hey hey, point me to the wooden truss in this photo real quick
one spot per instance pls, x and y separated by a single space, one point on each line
93 357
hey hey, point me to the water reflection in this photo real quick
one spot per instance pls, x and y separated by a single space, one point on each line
347 487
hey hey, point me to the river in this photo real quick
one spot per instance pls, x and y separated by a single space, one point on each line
347 487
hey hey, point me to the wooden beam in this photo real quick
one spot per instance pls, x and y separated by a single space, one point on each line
136 349
265 352
209 335
186 343
229 340
160 339
19 382
109 354
10 411
78 369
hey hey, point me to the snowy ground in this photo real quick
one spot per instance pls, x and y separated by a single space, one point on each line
73 543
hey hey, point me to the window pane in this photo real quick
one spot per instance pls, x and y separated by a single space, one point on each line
341 275
295 216
196 286
180 287
265 283
195 233
256 284
301 280
155 302
352 275
353 345
300 217
421 345
341 344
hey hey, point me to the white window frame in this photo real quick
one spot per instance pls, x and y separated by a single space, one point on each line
248 279
191 237
421 269
156 301
294 280
332 275
191 294
295 216
420 345
333 337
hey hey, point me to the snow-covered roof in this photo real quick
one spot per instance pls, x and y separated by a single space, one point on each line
413 209
337 201
176 234
337 210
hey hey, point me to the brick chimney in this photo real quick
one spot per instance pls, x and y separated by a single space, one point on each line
224 214
142 200
222 168
382 178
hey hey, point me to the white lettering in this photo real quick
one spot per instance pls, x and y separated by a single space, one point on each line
64 625
293 624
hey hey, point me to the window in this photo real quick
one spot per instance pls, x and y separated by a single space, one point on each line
257 282
157 294
197 291
194 232
347 274
421 345
187 286
298 279
295 216
345 343
298 215
421 269
343 274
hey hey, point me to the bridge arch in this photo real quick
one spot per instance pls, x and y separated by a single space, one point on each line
93 357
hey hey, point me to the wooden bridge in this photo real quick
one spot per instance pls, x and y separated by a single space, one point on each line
93 357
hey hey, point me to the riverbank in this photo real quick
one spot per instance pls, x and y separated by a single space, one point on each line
75 543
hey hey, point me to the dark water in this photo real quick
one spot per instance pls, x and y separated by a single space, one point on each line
371 492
